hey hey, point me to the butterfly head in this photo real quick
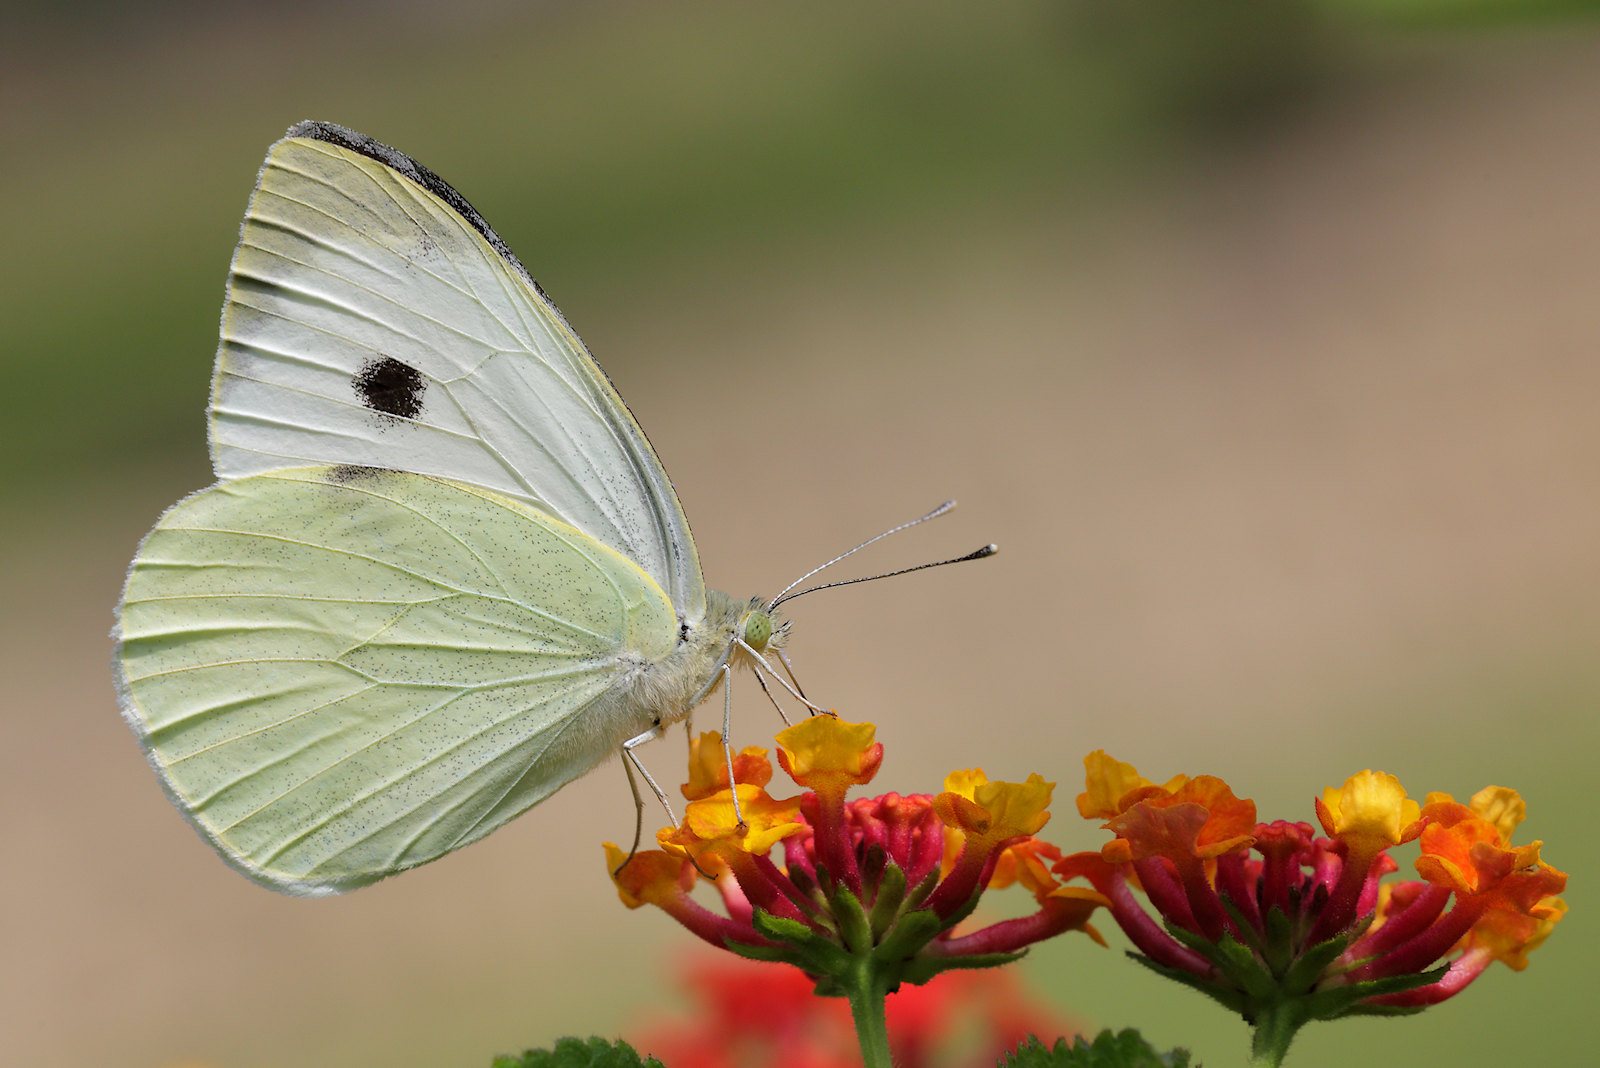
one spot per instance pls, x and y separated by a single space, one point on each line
756 629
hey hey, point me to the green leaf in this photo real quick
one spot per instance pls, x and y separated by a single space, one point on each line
891 895
1337 1001
578 1053
1308 968
1278 947
920 893
965 910
781 928
913 931
1124 1049
754 952
1226 996
1246 930
797 944
855 930
1232 958
919 970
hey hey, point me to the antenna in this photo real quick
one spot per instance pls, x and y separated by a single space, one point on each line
976 554
935 514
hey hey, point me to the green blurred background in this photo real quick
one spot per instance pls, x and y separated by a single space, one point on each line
1261 335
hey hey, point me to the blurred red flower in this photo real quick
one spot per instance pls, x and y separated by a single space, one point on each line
746 1013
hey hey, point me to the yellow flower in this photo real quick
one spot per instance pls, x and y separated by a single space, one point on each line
711 823
1370 811
826 753
966 782
1501 806
1108 782
996 810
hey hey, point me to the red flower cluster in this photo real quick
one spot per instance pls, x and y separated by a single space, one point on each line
1262 915
888 877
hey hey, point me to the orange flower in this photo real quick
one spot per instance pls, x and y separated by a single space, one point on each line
1303 927
1111 787
1506 890
1510 936
649 878
1200 819
708 767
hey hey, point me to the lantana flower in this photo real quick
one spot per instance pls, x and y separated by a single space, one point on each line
1284 926
869 891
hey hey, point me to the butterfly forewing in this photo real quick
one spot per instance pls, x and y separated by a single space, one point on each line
373 319
341 673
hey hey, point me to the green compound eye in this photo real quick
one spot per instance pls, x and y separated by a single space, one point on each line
757 629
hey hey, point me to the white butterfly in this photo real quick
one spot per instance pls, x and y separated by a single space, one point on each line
441 573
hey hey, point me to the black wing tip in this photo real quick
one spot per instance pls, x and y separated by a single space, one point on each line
342 136
329 131
356 141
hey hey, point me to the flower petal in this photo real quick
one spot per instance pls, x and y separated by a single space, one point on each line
708 766
1369 812
826 753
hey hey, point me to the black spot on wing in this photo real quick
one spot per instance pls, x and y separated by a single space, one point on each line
345 474
390 387
406 167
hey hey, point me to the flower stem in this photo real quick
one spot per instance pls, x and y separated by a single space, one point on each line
867 994
1275 1029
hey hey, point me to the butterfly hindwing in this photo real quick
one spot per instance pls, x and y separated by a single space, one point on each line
340 673
372 318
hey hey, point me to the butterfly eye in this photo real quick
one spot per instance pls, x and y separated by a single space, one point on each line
757 630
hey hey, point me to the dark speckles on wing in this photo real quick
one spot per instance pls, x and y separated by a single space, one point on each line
390 387
345 474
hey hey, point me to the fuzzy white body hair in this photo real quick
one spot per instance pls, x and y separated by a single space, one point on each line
663 692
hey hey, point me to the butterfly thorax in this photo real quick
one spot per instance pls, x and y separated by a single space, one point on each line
666 690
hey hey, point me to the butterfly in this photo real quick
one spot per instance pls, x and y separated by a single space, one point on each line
441 572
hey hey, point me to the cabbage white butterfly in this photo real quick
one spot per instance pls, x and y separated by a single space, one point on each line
441 573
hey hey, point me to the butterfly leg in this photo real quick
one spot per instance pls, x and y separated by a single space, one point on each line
758 662
768 691
638 818
629 757
630 764
788 669
727 750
